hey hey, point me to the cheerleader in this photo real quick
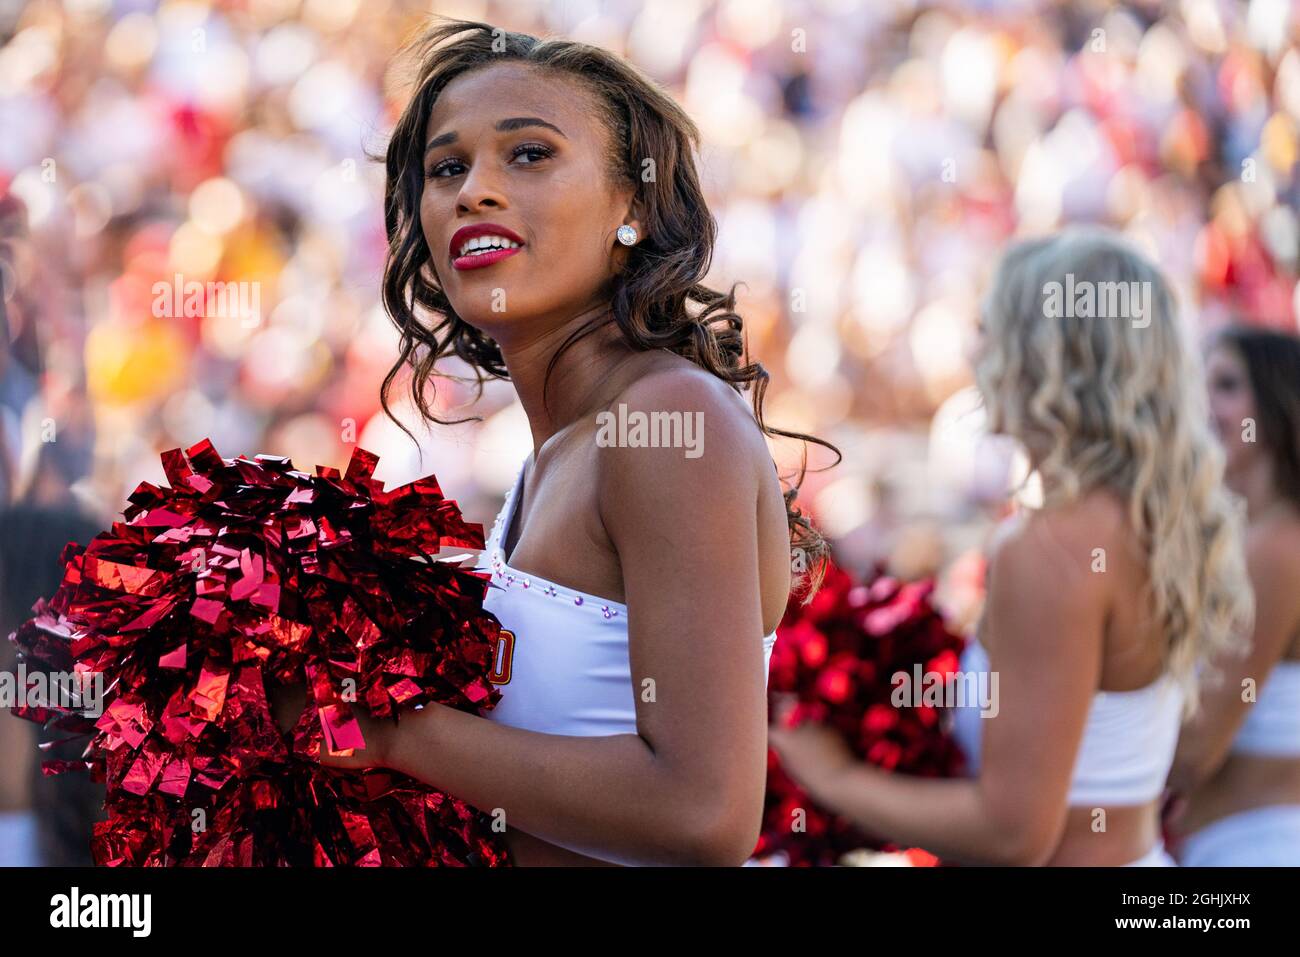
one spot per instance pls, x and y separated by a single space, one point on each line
1099 602
639 582
1238 764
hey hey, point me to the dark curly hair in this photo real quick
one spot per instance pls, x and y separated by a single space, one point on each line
659 300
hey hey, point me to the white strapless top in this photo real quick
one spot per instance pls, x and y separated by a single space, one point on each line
1128 741
1272 725
562 662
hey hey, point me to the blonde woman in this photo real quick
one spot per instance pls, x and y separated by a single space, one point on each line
1099 602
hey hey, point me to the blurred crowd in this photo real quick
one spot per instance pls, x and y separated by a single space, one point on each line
865 161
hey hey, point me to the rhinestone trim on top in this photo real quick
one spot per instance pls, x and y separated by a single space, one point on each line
502 572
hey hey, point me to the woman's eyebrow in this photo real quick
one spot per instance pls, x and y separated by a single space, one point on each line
502 126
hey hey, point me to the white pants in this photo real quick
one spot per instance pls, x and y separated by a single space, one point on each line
1261 837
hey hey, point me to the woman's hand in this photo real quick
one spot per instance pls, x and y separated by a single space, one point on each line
287 703
377 753
812 754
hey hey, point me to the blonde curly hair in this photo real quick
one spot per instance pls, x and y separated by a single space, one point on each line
1118 401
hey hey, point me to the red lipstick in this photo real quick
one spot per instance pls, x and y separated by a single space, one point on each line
474 259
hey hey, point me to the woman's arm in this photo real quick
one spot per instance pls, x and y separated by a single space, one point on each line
1206 740
607 797
688 787
1045 624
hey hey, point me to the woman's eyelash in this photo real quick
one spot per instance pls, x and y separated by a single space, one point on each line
523 148
533 148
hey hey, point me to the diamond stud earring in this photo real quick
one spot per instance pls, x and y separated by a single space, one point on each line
627 235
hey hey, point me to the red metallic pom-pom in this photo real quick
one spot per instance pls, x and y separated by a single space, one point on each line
838 656
242 578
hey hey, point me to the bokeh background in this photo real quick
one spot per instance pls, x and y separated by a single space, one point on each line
865 162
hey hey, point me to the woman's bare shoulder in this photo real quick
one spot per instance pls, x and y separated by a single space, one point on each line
1067 543
670 384
1274 545
678 430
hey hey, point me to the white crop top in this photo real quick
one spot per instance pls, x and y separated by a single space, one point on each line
562 663
1272 725
1128 741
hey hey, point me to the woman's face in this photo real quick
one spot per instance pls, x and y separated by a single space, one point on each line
1232 404
524 150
